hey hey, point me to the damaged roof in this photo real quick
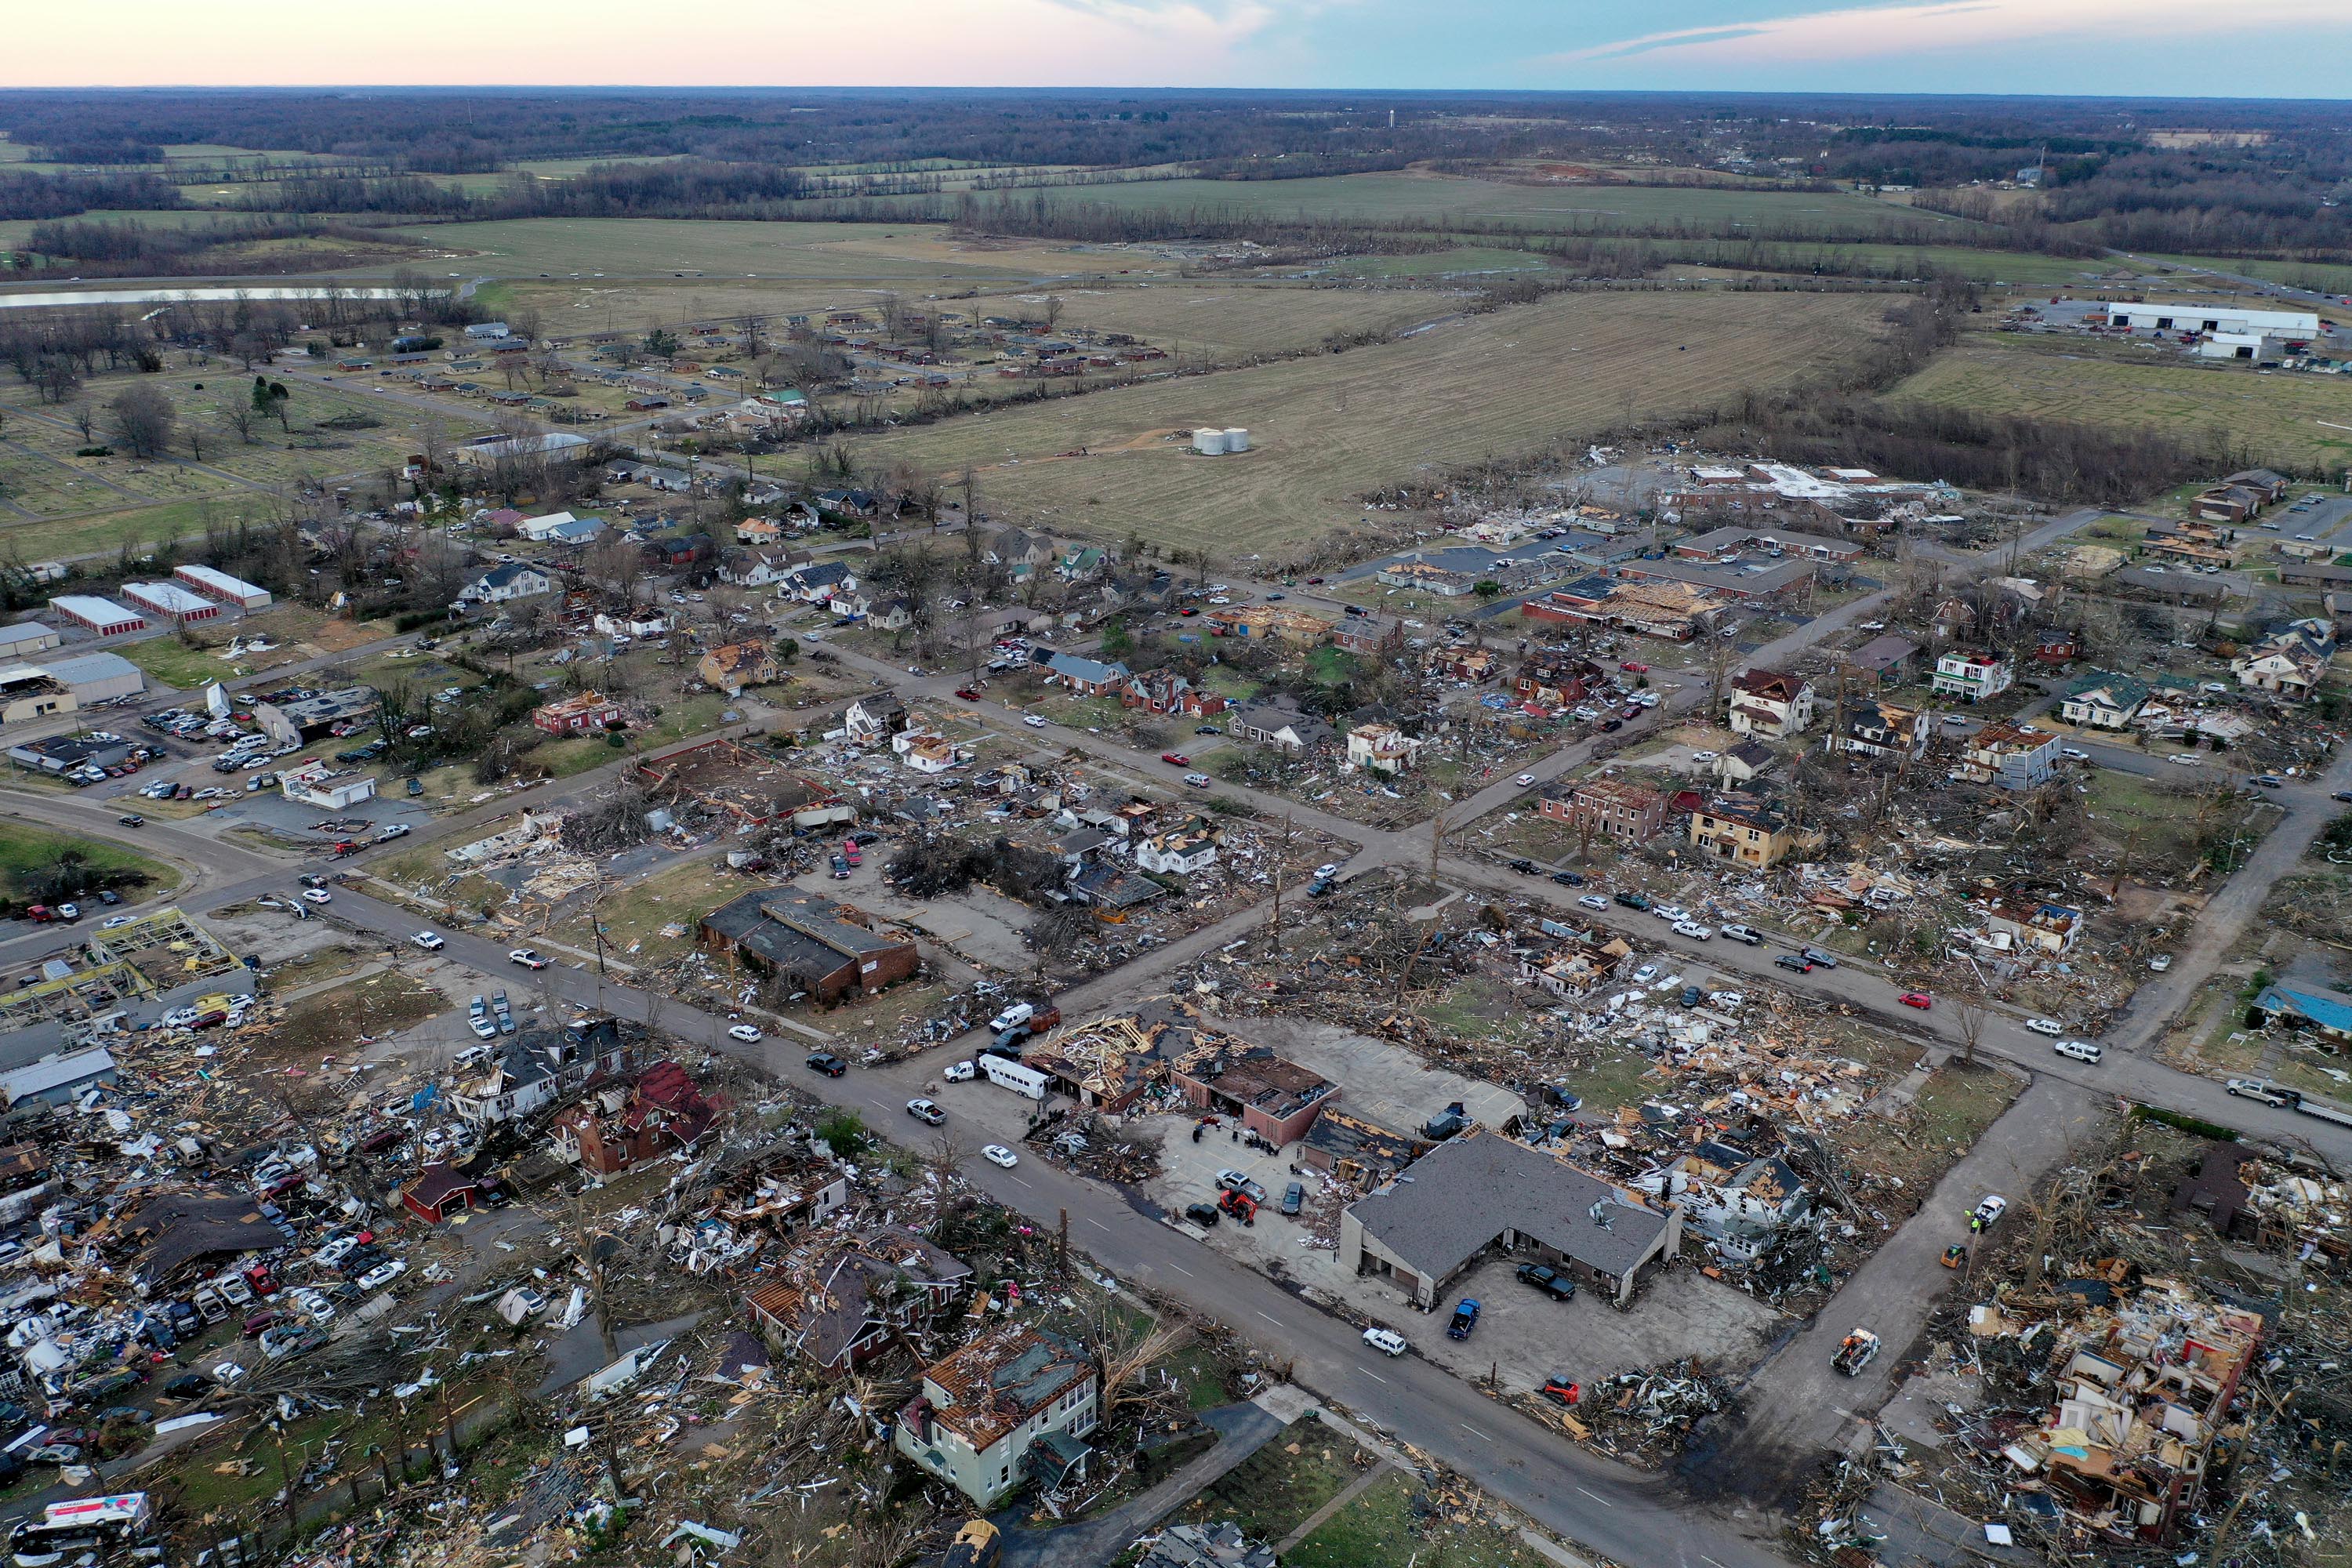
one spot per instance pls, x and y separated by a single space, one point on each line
1462 1196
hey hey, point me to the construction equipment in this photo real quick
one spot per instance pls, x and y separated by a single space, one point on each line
979 1545
1238 1204
1854 1351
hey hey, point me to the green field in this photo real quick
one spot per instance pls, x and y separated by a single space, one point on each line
1373 198
2275 419
2332 279
25 849
1466 261
1327 429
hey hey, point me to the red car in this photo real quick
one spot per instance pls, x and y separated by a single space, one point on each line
967 693
1188 610
1637 668
1918 999
1176 759
1311 582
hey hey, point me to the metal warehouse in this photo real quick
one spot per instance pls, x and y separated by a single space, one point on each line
103 616
27 639
228 590
170 601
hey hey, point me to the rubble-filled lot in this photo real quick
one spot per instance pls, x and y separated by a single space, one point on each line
2145 1364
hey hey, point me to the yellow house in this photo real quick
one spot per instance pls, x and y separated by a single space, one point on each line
1750 832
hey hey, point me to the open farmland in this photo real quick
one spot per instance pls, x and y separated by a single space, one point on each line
1327 429
1436 199
2276 419
640 246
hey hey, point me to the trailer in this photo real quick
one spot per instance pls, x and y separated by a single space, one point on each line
1019 1077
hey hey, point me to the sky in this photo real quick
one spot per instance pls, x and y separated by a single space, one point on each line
2126 47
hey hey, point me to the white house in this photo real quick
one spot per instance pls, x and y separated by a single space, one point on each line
559 526
1770 704
1180 851
2289 660
1736 1202
501 584
2103 699
1381 748
1009 1407
1971 675
874 718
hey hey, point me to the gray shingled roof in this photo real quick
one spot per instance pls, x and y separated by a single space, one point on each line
1464 1194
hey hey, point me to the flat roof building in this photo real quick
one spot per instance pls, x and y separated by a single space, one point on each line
228 590
103 616
171 602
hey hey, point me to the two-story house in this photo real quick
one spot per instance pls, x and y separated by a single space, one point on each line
531 1068
1381 748
837 1300
1770 704
1615 808
873 719
503 585
734 667
1554 677
1734 1201
1971 675
2288 660
1163 690
1874 727
2014 756
1179 851
1012 1405
1751 831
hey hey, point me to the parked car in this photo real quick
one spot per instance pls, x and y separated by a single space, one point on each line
1198 781
827 1063
1293 1199
428 941
1593 902
1465 1318
2045 1025
1694 930
1739 932
1989 1211
1524 867
1202 1214
1569 878
1524 780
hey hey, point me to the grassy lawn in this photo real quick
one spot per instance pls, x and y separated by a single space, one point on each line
1383 1528
24 850
331 1021
635 916
175 663
1274 1490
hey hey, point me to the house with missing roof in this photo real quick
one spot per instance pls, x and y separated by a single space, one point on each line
1481 1192
837 1300
2328 1015
1735 1201
810 943
1275 1099
1012 1406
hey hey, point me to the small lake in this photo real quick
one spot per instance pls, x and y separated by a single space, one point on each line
173 296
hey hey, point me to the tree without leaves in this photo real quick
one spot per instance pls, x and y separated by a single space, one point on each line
142 419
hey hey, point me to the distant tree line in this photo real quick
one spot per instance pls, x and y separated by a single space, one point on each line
65 195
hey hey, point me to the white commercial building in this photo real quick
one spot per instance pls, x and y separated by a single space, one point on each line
170 601
217 584
316 783
103 616
2211 318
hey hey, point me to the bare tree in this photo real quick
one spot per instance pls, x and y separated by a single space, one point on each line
1969 1009
85 421
142 419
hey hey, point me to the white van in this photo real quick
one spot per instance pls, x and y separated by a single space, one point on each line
2081 1050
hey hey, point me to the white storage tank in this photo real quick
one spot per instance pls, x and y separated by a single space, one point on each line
1208 442
1236 440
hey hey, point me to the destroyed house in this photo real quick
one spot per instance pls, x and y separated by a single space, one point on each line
2018 922
777 1189
2288 660
1165 690
1361 1154
1107 1063
181 1236
810 943
1615 808
1280 722
1482 1191
2327 1014
532 1069
1736 1202
2143 1401
1554 677
1878 728
617 1126
735 666
2013 756
837 1301
875 717
2103 699
1275 1099
1012 1406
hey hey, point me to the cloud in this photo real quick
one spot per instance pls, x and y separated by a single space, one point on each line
1867 32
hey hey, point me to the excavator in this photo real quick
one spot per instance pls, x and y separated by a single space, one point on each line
1238 1204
